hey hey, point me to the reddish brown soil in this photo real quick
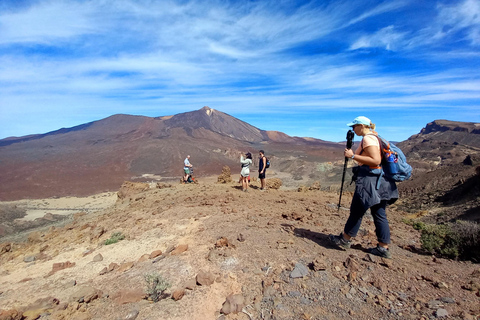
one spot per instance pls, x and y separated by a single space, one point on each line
249 243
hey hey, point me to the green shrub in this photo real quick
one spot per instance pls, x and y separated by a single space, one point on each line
454 240
156 286
418 225
114 238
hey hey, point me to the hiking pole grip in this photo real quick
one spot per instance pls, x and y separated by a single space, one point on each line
350 136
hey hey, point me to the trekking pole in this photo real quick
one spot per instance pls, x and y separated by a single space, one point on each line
350 136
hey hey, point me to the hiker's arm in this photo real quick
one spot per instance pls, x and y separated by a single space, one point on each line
371 156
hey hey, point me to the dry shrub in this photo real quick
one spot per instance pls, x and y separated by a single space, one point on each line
156 286
460 240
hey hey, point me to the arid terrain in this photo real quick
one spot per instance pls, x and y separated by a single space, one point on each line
89 213
266 252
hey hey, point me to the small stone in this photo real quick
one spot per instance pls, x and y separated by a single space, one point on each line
112 266
190 284
98 258
370 258
158 258
128 296
60 266
223 242
86 252
178 294
85 294
241 238
352 276
233 304
5 247
294 294
441 285
441 313
180 249
155 254
132 315
299 271
29 259
125 266
447 300
319 264
434 304
352 264
143 258
205 278
103 271
386 263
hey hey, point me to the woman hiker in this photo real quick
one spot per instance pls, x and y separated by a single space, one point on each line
246 162
372 190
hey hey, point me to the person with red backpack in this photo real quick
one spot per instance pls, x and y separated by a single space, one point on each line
372 190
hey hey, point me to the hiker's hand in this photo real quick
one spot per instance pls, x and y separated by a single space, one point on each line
348 153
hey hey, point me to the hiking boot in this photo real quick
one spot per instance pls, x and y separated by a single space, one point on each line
380 251
340 241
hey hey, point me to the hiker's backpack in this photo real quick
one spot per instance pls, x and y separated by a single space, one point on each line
267 163
394 162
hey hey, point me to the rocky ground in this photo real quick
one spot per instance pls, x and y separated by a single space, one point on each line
228 254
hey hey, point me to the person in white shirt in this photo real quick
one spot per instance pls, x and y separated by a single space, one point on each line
246 162
186 168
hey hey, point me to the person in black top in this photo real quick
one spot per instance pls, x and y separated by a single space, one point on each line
262 168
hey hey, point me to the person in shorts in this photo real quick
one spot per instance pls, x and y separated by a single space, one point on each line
245 173
262 167
186 168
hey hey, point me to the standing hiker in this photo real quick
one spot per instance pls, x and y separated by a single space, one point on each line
372 190
262 167
186 168
245 173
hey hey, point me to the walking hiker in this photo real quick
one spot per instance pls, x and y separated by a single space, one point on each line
372 190
186 168
246 162
262 167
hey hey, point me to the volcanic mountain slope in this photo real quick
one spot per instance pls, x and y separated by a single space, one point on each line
99 156
444 157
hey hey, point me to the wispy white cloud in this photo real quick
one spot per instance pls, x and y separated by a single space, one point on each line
461 16
91 59
382 8
46 22
386 38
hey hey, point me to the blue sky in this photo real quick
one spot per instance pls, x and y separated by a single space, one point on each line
305 68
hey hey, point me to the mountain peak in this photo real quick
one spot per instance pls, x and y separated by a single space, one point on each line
446 125
207 110
217 122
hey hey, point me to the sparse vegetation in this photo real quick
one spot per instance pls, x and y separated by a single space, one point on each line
156 286
460 240
114 238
